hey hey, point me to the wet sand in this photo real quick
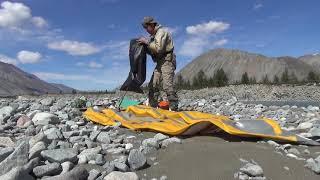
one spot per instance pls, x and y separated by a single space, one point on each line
208 157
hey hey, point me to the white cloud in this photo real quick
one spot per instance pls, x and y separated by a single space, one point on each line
81 64
91 64
29 57
193 46
220 42
60 76
210 27
201 37
39 22
15 14
257 6
171 30
48 76
9 60
74 48
117 50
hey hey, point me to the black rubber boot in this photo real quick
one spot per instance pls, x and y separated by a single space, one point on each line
173 101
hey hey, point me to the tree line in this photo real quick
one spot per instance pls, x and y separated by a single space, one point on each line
220 79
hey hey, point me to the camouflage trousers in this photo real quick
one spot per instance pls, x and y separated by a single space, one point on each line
163 79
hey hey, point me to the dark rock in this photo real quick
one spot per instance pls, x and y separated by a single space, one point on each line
53 133
160 137
64 145
136 160
60 155
39 137
48 101
70 134
36 149
109 167
151 142
103 137
21 172
121 167
313 164
66 166
19 157
5 152
47 170
94 135
94 174
77 173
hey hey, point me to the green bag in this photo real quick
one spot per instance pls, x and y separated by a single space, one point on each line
126 102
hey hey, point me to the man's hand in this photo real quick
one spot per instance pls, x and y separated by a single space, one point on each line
143 40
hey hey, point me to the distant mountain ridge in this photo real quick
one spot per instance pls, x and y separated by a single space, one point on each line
14 81
236 62
63 88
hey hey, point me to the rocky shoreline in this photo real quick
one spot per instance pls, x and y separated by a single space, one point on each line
259 92
46 137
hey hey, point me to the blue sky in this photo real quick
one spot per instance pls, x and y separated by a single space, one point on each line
84 43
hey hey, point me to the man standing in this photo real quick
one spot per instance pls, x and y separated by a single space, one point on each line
160 47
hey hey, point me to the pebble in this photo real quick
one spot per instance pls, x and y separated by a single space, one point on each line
77 173
44 118
21 122
6 142
5 152
121 166
313 164
160 137
165 143
60 155
53 134
151 142
306 151
66 166
104 137
47 170
305 125
252 170
163 178
36 149
272 143
129 146
18 157
115 175
93 174
136 159
294 151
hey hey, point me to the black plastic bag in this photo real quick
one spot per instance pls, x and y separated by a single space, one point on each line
137 74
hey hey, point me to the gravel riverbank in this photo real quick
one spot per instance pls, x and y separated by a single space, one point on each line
47 137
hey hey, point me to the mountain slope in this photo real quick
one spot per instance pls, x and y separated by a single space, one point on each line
236 62
312 60
14 82
63 88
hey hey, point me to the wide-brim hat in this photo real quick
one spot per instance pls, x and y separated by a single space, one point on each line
148 20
